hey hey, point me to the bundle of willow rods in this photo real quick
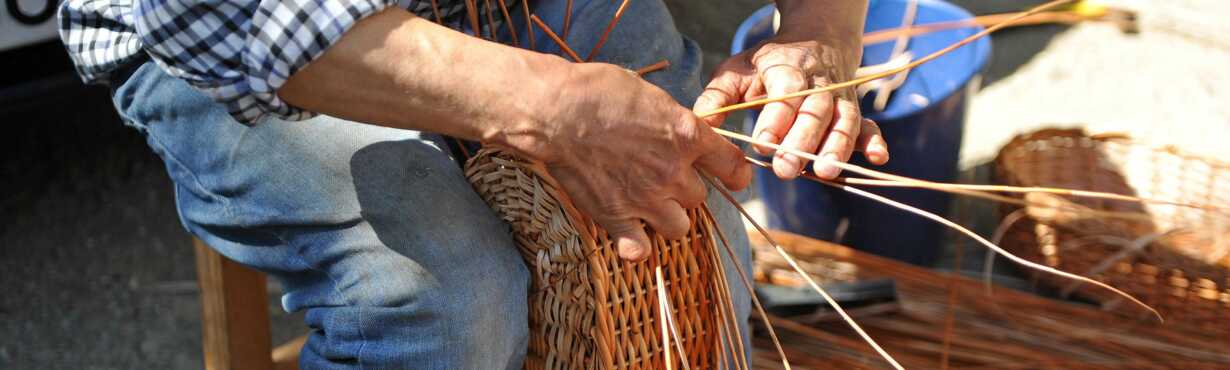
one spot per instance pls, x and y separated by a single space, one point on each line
946 321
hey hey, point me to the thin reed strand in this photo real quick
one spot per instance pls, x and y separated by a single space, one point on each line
986 242
607 33
660 65
512 32
806 276
529 27
747 284
911 65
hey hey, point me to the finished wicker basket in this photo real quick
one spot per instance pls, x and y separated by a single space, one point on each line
1175 258
589 309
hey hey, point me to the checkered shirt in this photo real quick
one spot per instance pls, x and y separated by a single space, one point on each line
238 52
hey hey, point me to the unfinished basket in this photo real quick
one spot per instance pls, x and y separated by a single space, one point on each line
1175 258
589 309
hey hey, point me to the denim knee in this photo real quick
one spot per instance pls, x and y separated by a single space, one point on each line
377 302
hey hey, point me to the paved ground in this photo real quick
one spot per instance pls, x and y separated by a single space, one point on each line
97 274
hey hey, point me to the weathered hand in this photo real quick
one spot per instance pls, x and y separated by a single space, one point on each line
827 123
625 151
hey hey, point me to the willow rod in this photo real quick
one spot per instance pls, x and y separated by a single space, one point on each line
911 65
747 284
983 241
939 185
983 20
660 65
607 33
512 33
562 45
806 276
529 27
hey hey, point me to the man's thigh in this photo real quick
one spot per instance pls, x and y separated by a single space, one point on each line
645 35
373 231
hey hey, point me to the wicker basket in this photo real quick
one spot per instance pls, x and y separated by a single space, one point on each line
589 309
1175 258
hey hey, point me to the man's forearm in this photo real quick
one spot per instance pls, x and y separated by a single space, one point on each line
828 20
394 69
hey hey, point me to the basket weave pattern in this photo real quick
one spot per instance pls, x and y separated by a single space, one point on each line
589 309
1176 259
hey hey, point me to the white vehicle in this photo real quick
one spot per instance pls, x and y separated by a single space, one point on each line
32 61
26 22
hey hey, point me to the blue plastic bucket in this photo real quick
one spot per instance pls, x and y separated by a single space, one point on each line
923 124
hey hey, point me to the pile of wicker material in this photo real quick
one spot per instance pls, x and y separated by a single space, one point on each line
1173 257
946 321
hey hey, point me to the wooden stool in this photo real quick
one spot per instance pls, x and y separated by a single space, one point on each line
235 317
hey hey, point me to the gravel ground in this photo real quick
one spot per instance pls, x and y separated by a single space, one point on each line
97 273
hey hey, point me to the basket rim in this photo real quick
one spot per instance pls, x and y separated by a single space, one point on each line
1106 137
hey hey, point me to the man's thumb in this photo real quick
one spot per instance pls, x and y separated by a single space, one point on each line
630 239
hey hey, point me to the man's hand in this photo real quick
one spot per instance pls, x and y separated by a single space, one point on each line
625 151
621 148
819 43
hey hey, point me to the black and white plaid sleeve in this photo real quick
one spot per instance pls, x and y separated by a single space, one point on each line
240 52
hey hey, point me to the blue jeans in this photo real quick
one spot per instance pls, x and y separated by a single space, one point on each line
373 231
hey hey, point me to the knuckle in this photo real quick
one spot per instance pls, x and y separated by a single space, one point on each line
672 227
691 196
783 78
687 131
614 211
839 143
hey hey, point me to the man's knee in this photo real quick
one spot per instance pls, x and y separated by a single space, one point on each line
453 328
398 312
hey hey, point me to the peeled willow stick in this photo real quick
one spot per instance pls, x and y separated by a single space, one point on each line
1122 18
609 27
663 322
965 189
711 224
1032 189
903 41
664 303
751 291
948 187
806 276
911 65
981 240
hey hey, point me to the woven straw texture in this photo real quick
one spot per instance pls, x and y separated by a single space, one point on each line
588 308
1175 258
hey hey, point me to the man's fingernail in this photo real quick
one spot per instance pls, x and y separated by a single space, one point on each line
786 166
826 169
767 136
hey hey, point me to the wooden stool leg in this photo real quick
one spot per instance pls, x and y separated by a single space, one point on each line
235 326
